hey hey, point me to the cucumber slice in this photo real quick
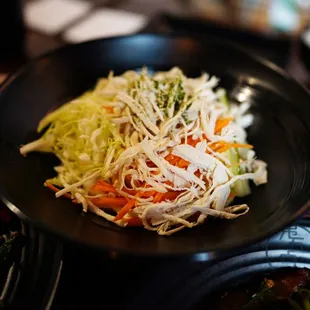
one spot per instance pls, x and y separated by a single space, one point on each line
240 187
224 98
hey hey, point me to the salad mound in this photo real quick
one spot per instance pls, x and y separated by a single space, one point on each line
162 151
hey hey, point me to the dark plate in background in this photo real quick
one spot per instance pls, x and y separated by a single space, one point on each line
281 135
274 48
188 288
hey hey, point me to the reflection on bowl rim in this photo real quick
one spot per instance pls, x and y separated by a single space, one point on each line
305 36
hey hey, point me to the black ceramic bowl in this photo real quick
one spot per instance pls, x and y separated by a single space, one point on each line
288 249
305 48
280 134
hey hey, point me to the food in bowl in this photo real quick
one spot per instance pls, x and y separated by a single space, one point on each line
285 289
162 151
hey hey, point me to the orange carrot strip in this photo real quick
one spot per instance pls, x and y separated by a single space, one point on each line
150 164
102 188
55 189
192 142
127 178
127 207
232 195
205 137
221 123
182 163
241 145
234 145
103 183
169 157
109 202
216 145
168 183
129 191
109 109
175 160
158 197
223 149
134 222
172 159
148 194
197 173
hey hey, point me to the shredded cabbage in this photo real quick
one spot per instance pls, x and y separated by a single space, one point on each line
162 151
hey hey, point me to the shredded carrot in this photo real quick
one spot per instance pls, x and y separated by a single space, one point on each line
169 157
109 109
197 173
109 202
216 145
234 145
145 194
128 180
127 207
158 197
150 164
192 142
222 146
172 159
182 163
104 183
134 222
232 195
55 189
102 188
178 161
148 194
129 191
175 160
221 123
205 137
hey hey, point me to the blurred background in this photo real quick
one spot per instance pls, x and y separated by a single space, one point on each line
275 29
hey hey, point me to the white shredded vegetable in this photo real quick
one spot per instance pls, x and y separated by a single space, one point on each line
162 151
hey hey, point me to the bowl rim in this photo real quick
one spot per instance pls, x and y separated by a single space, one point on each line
199 38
